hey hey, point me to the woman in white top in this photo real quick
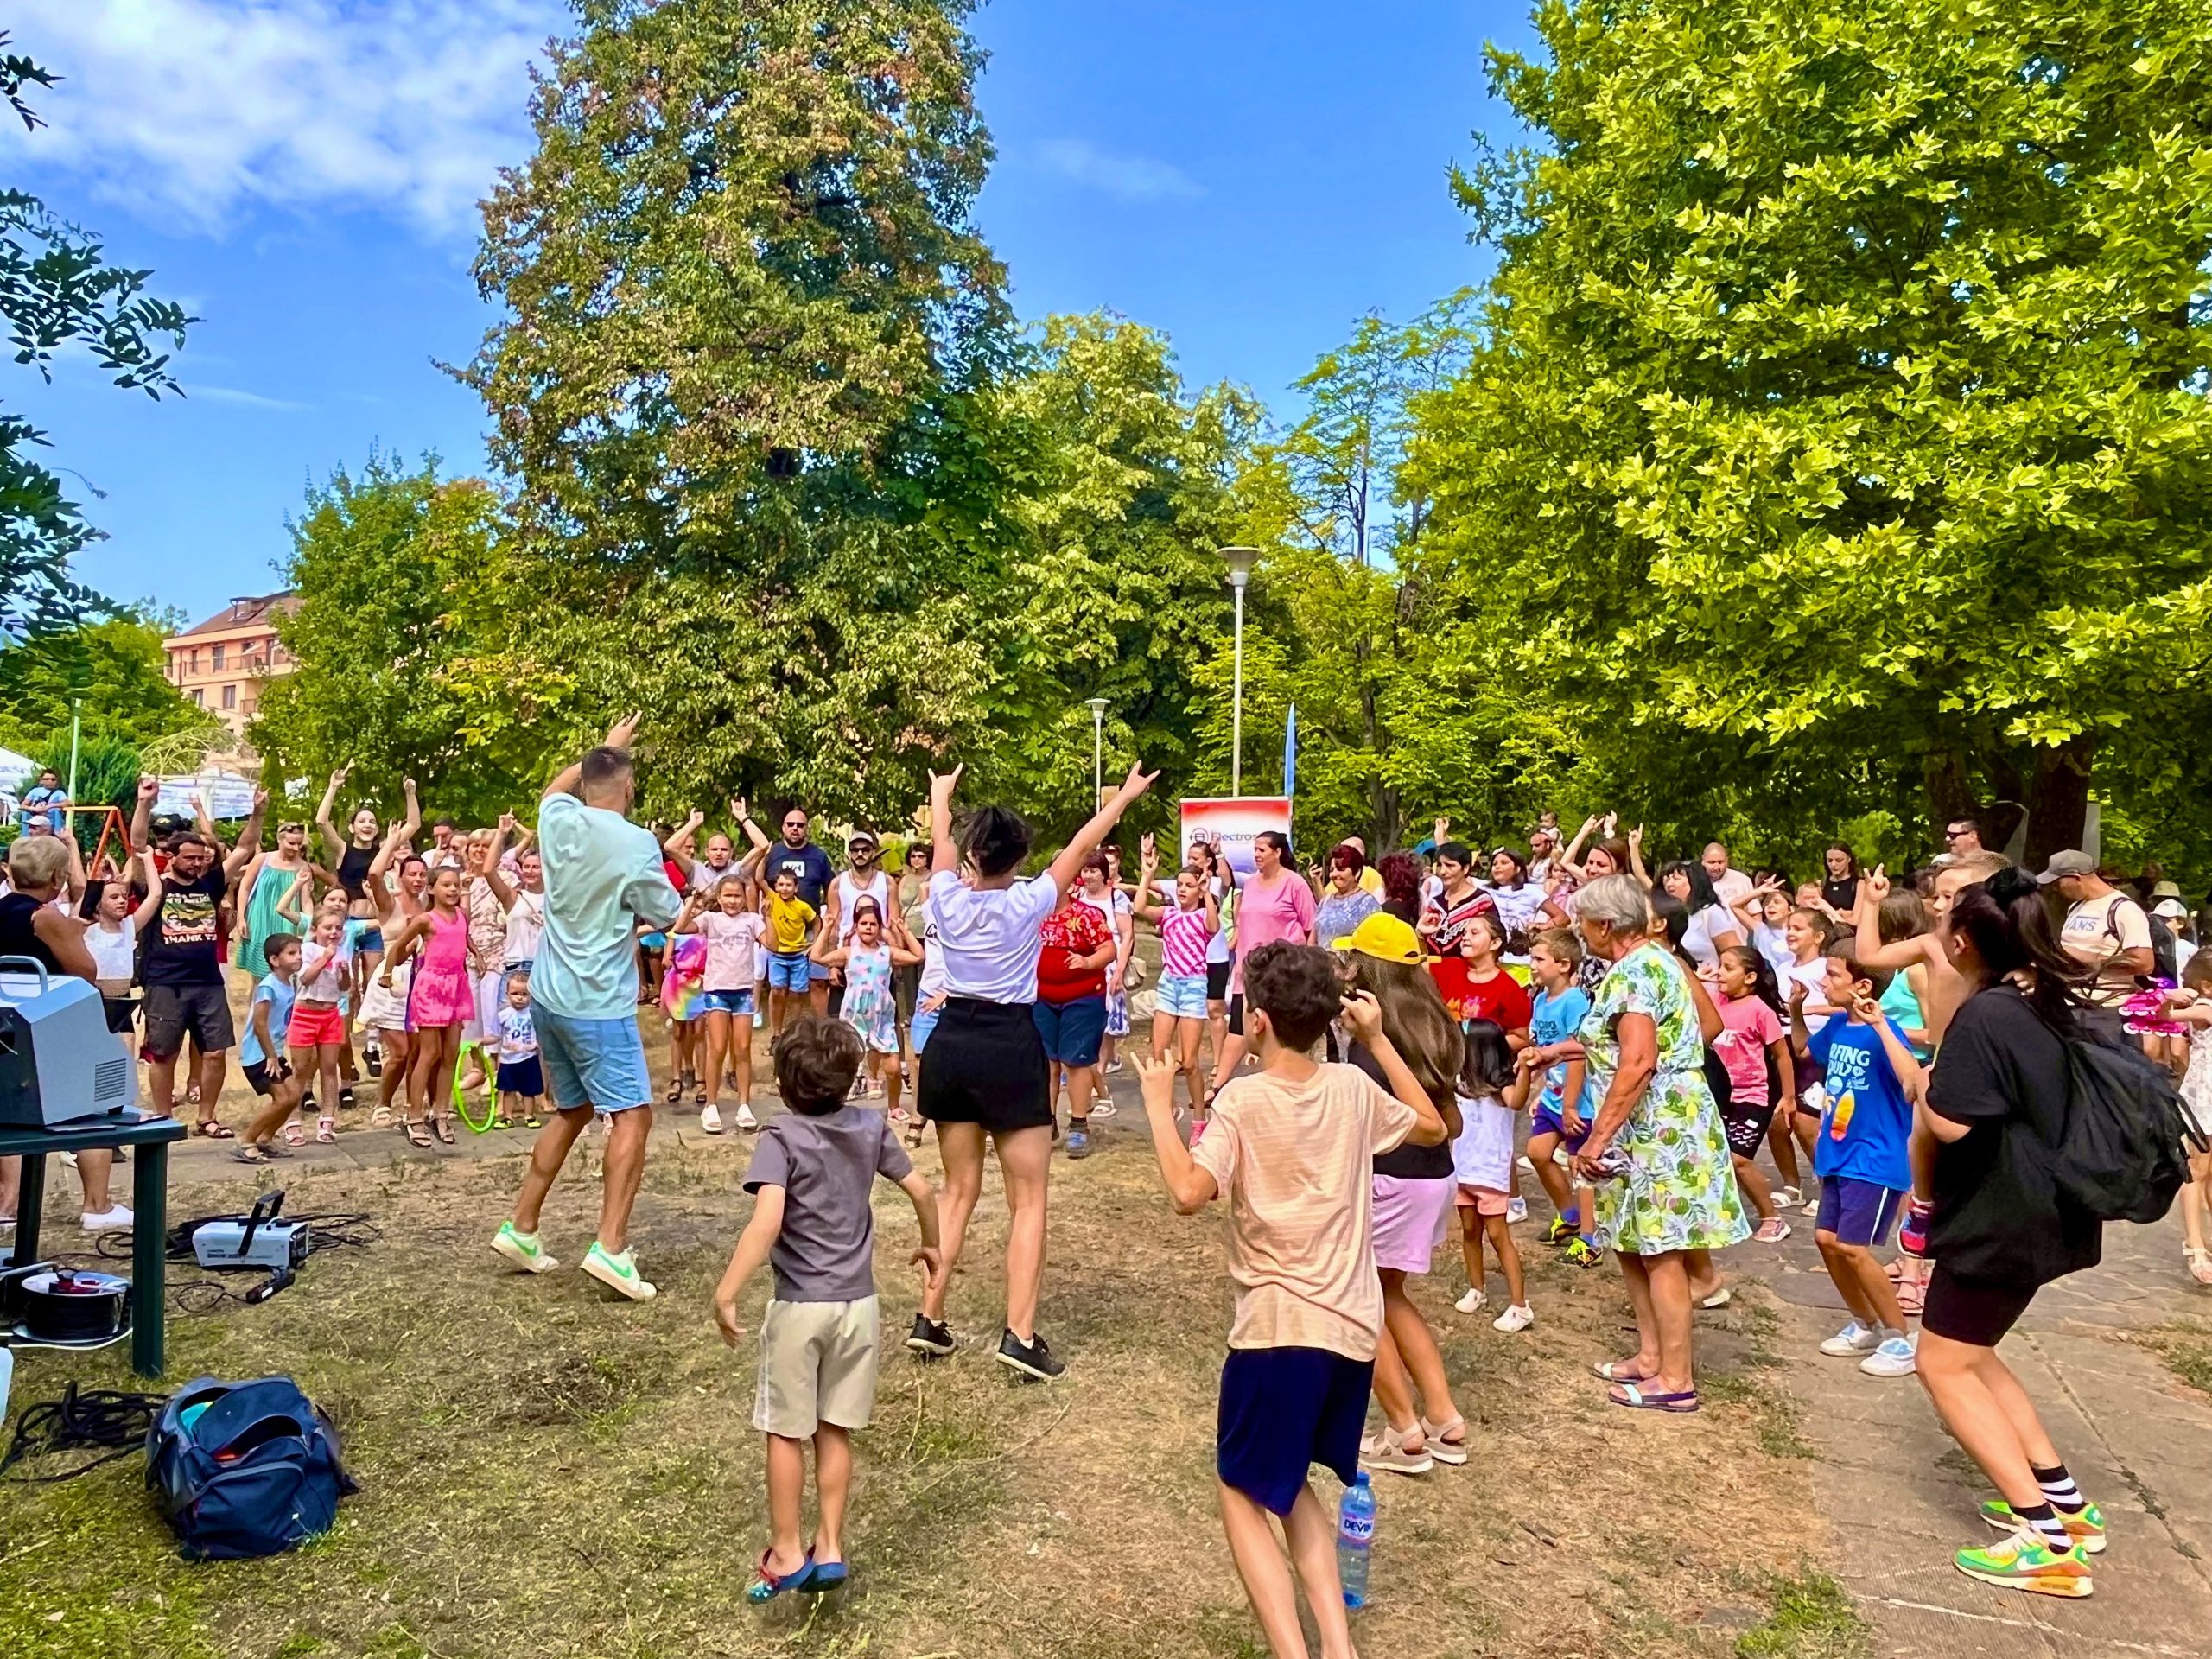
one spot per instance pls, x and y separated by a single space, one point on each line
1712 929
984 1073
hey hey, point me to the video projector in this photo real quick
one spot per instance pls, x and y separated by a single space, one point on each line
58 1062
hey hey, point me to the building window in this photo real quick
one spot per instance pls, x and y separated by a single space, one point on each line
219 658
195 659
230 693
198 698
275 651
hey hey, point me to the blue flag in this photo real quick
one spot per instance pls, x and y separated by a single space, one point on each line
1290 753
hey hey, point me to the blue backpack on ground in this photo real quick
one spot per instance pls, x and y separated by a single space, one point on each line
243 1469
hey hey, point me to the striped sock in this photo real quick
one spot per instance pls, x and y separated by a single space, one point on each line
2059 1489
2046 1525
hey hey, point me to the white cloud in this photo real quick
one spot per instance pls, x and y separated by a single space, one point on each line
243 399
200 109
1126 178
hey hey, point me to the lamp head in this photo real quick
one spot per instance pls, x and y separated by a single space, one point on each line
1240 561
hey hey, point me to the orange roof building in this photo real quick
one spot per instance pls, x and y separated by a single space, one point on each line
221 662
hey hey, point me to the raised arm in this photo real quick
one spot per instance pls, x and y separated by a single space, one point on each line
754 832
1065 869
1636 855
494 877
325 822
249 838
619 736
679 845
142 811
151 903
945 851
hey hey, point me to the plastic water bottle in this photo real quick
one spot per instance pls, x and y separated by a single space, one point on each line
7 1375
1355 1537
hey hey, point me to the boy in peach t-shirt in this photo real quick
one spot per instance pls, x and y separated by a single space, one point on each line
1293 1150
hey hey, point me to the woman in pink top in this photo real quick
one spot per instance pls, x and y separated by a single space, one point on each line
1274 907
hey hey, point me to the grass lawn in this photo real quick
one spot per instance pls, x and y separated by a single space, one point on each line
545 1471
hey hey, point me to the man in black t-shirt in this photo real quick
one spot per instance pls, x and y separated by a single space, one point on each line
180 965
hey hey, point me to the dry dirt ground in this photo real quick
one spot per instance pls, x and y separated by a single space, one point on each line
545 1471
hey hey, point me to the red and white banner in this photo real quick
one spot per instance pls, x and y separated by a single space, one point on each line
1234 821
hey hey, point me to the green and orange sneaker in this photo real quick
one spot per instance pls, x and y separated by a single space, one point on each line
2025 1561
1582 1252
2086 1527
1560 1231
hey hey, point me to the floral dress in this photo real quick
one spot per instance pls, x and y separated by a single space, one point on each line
869 1007
1679 1192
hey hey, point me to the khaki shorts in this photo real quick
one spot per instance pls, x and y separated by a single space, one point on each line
818 1365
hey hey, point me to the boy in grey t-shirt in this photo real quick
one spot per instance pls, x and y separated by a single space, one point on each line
811 1175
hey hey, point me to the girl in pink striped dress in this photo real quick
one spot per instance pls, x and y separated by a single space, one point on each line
440 999
1179 1018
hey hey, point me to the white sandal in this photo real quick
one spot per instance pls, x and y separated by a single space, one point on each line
2199 1262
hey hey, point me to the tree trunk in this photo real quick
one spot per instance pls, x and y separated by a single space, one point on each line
2058 799
1950 790
2008 797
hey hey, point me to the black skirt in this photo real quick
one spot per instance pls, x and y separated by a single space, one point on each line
985 1064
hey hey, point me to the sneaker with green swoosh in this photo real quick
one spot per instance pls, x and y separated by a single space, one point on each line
2025 1561
2086 1527
619 1272
522 1248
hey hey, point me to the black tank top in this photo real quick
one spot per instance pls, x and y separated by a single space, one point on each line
18 937
354 869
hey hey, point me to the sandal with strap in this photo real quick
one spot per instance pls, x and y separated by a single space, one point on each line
416 1134
675 1091
1447 1451
768 1587
1631 1395
380 1118
442 1126
248 1152
214 1130
2199 1262
326 1130
295 1135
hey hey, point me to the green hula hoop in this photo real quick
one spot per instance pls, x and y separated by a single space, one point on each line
460 1095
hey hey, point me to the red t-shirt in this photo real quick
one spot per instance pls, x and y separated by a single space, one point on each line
1073 931
1501 997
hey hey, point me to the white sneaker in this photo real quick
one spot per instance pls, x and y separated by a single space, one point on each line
1516 1210
1561 1157
1523 1161
1472 1302
1519 1317
116 1219
746 1120
1854 1340
710 1118
1895 1358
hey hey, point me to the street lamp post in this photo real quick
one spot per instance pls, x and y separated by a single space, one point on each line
1240 561
1098 707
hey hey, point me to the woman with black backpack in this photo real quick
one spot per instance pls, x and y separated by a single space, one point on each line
1987 1210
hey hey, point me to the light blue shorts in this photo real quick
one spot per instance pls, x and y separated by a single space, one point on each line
737 1003
787 970
599 1063
1183 995
924 1022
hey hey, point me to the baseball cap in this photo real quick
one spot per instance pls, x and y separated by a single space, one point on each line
2166 890
1385 938
859 838
1425 846
2065 864
2172 909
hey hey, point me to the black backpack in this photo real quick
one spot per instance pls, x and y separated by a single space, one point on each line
2123 1156
2162 949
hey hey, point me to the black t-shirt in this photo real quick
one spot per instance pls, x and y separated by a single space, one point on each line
1408 1162
181 946
1999 1217
1841 892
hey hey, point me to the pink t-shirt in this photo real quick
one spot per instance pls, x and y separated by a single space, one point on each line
1748 1025
1183 935
1272 916
733 950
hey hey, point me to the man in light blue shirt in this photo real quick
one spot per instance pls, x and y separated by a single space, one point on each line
603 876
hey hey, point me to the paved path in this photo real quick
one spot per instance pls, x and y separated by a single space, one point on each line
1901 1497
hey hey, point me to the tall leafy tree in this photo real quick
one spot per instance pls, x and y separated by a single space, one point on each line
114 668
1839 437
744 303
58 291
406 666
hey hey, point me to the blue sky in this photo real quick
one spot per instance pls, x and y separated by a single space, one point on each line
1247 177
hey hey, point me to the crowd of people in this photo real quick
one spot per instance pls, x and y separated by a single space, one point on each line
1362 1058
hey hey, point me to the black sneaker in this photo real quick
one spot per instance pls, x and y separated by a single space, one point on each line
1032 1358
929 1336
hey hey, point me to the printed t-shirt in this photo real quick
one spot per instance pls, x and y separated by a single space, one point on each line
1500 998
181 946
1183 935
1075 929
518 1033
788 920
826 1165
809 863
1867 1122
733 949
1748 1025
2098 933
1295 1161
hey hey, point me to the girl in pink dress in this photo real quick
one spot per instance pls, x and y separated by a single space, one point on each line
439 1000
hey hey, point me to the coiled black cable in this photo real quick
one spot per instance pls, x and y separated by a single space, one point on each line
114 1423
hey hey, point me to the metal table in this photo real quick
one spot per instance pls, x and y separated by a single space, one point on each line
149 1136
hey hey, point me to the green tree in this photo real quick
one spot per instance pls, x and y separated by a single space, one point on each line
58 291
115 669
746 308
403 639
1837 442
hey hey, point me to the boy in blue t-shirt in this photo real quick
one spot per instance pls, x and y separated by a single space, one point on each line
262 1053
1870 1076
1563 1109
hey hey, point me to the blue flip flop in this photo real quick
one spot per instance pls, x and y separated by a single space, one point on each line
1637 1400
828 1575
768 1587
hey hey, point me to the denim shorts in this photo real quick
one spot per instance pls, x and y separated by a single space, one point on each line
736 1003
598 1063
925 1023
1182 995
1071 1030
787 970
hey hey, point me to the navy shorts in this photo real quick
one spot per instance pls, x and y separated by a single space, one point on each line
1857 1212
1071 1032
1283 1410
522 1076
